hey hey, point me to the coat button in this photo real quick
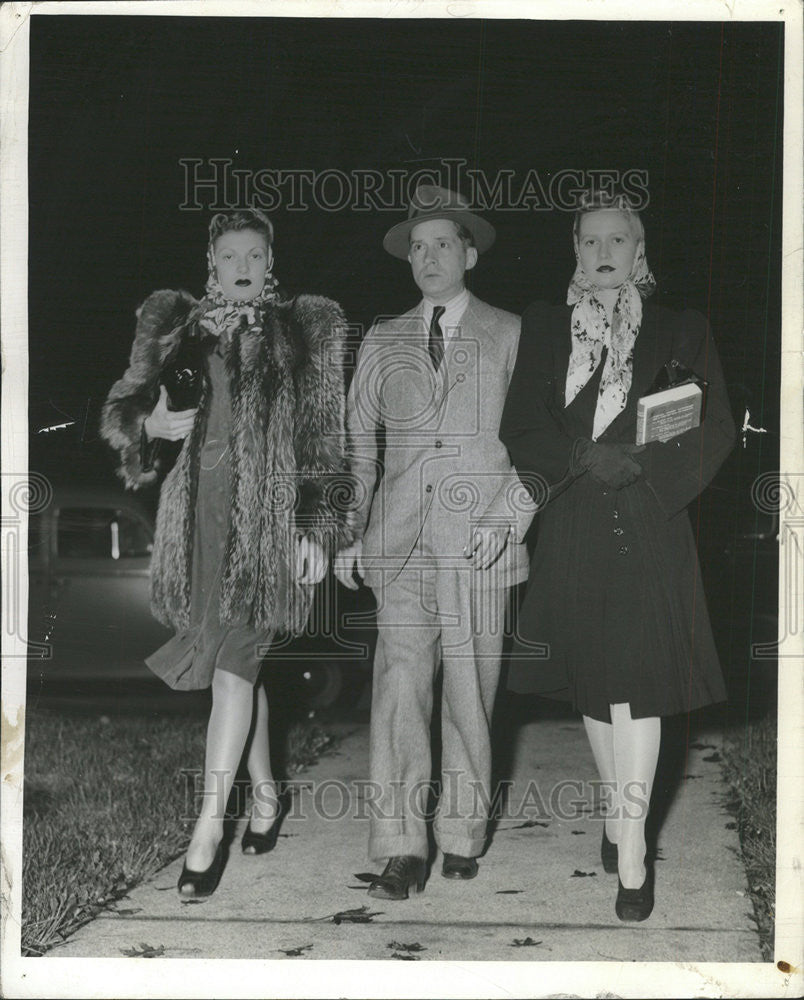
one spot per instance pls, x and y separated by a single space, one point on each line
623 550
618 531
438 443
428 488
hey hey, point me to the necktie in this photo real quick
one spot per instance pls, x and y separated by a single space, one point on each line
436 343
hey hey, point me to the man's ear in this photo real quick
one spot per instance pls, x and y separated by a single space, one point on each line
471 257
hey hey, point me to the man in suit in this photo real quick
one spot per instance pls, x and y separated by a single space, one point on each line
440 542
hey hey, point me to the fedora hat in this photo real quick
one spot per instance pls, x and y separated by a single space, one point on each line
432 202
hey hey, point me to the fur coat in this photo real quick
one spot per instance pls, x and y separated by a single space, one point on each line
288 474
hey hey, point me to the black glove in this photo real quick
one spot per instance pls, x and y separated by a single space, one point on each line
611 464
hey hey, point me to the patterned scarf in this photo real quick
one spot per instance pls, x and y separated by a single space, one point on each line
591 331
220 317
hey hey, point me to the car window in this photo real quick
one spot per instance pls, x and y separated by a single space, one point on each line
101 533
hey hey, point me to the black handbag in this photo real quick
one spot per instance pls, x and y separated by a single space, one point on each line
673 373
182 375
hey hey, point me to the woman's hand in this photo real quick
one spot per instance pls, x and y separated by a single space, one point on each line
173 425
611 464
348 562
311 561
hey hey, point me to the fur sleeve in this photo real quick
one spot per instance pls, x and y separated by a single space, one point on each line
325 487
131 398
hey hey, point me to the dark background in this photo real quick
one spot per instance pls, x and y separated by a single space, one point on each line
116 102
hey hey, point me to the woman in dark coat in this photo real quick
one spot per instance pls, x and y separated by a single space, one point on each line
615 589
249 514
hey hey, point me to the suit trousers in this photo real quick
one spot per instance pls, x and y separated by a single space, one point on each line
433 611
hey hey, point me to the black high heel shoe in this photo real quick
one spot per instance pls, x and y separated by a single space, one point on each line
203 883
635 904
262 843
609 855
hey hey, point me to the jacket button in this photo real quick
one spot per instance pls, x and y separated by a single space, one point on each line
428 488
438 443
623 550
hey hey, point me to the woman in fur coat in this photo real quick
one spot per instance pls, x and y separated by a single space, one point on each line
253 507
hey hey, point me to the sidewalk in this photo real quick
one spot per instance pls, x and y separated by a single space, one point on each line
541 893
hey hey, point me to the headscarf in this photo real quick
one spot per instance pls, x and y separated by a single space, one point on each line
590 330
219 316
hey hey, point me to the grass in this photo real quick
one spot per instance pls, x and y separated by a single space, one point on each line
106 805
750 771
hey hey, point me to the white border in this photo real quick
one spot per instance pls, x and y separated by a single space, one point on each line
31 977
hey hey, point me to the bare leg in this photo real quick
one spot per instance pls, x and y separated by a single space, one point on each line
601 740
229 722
636 753
264 808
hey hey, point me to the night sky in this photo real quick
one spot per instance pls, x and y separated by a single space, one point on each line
117 102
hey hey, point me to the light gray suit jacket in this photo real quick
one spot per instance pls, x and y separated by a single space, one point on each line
443 460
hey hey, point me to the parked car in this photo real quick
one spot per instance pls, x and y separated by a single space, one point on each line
89 615
89 553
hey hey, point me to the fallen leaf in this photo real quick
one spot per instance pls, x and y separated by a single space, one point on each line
508 892
366 876
405 958
146 951
579 874
578 833
526 825
527 942
295 952
361 915
396 946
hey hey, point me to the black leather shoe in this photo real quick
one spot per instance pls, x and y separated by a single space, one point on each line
456 866
262 843
609 855
197 885
403 874
635 904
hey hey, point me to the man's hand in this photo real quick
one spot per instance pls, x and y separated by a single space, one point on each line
173 425
486 544
311 561
347 562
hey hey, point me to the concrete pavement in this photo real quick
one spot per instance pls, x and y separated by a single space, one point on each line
541 893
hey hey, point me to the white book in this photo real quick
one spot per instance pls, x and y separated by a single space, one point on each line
666 414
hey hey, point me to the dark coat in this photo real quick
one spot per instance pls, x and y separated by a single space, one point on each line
288 474
615 590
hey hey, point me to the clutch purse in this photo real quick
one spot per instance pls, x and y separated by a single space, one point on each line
182 375
674 373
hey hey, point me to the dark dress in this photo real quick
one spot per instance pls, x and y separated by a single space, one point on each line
189 660
615 589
